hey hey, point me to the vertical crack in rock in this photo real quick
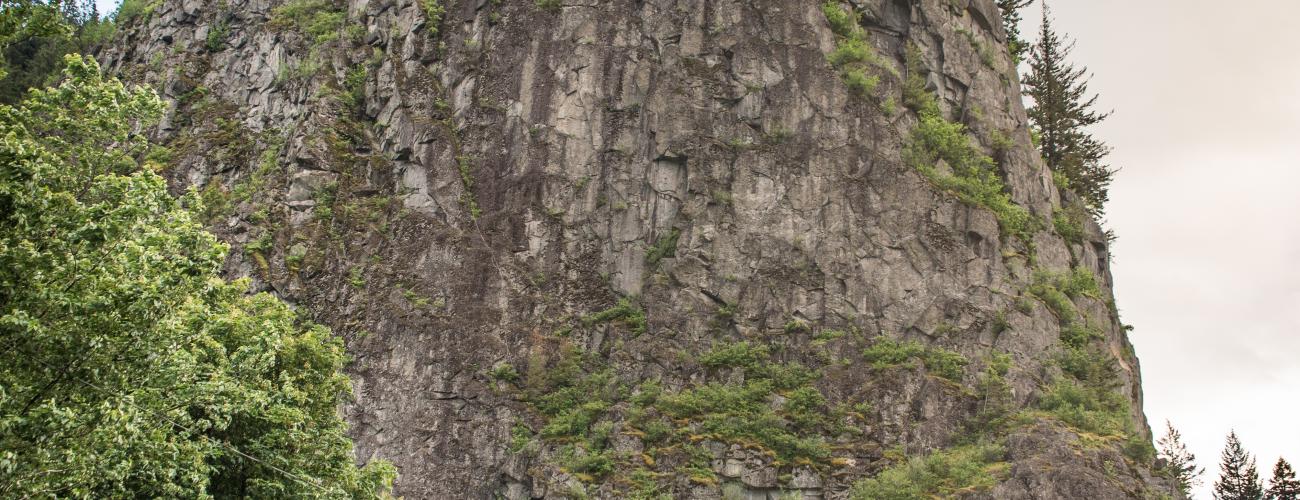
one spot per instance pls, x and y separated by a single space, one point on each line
658 247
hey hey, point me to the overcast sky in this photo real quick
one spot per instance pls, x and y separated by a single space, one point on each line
106 6
1207 208
1206 127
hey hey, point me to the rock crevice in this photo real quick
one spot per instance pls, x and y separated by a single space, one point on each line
527 198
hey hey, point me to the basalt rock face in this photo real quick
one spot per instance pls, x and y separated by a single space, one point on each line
501 201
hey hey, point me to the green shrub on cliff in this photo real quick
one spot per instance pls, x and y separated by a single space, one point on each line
941 474
433 12
574 393
737 355
970 174
318 20
131 9
885 352
1091 409
857 61
948 157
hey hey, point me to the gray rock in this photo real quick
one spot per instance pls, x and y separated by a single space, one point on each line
516 169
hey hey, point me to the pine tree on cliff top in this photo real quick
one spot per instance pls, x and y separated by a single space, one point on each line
1011 20
1062 112
1238 479
1180 464
1283 486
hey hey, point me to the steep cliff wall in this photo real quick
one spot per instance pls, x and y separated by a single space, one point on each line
646 247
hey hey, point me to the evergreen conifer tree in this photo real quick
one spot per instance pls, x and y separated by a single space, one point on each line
1180 464
1283 486
1011 20
1238 479
1062 112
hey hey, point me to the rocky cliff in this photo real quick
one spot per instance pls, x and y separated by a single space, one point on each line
647 248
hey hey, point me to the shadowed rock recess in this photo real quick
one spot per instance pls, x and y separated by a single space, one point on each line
663 248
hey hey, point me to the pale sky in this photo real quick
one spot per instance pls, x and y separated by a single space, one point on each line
106 6
1206 127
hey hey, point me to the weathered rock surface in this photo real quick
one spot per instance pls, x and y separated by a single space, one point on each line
450 201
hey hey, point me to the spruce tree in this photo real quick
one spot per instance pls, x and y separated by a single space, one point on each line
1062 112
1283 486
1180 464
1238 479
1011 20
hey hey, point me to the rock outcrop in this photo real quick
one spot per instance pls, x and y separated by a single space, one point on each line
679 214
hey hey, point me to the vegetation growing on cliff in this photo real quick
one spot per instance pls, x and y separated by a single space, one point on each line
433 12
854 56
318 20
131 368
886 352
937 143
941 474
1085 397
943 152
130 10
625 312
747 398
584 412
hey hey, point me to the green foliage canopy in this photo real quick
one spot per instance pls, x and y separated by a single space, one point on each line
36 34
128 367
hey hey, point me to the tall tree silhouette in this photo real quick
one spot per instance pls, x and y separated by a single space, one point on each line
1283 485
1063 110
1238 479
1179 463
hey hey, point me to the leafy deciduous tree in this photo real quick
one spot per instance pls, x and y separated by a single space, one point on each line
128 367
21 19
